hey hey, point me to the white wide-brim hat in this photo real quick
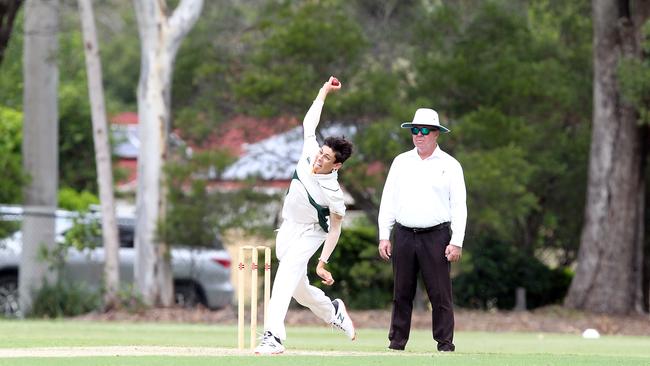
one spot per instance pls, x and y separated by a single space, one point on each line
426 117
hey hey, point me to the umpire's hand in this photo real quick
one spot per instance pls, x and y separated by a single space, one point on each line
385 249
453 253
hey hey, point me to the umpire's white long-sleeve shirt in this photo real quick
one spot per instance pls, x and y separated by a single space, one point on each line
422 193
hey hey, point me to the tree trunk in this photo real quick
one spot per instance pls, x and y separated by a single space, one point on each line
606 276
40 145
160 38
102 155
8 10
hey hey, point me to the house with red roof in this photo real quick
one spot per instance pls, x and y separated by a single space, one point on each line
267 149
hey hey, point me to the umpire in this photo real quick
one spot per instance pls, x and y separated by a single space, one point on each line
424 202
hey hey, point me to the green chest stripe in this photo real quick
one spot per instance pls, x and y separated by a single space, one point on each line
323 212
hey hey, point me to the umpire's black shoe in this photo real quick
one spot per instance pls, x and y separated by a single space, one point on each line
446 347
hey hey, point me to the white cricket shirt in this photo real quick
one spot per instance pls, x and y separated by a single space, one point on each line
424 193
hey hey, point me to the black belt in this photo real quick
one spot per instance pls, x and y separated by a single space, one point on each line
423 229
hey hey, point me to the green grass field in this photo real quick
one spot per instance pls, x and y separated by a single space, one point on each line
310 346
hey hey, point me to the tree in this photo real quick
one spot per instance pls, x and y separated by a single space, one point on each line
102 154
8 10
40 153
75 145
508 77
510 80
298 45
634 75
160 38
611 247
11 122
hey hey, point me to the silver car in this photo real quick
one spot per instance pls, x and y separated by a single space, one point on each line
201 275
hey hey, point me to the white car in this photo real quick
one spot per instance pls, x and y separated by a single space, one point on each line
201 275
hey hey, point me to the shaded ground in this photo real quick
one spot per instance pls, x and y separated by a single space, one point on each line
550 319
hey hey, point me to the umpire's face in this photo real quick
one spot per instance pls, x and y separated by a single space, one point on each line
425 138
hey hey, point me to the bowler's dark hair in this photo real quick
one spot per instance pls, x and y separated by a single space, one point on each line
342 147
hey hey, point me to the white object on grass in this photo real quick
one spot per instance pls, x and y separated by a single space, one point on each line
590 333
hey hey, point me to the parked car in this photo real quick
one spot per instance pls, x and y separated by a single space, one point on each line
201 275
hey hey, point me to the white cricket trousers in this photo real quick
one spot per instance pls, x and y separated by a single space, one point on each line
295 244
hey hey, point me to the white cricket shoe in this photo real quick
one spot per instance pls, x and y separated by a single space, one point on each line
269 345
342 319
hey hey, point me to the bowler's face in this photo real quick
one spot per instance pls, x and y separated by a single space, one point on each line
324 163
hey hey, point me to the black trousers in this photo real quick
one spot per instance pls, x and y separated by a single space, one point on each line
421 252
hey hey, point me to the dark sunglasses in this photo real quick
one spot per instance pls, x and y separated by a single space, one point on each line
425 130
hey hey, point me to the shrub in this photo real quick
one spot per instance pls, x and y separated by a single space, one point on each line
130 300
64 299
363 280
495 272
69 199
